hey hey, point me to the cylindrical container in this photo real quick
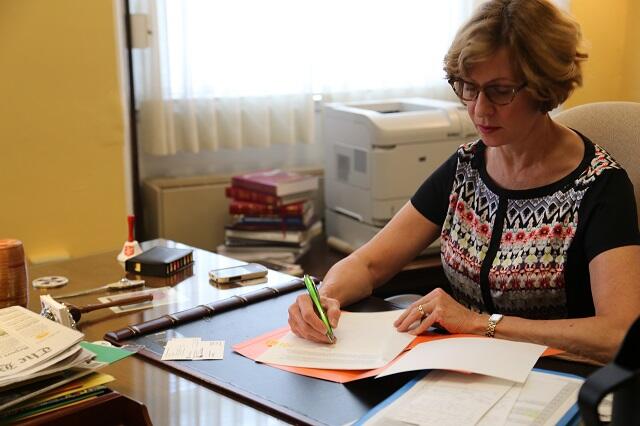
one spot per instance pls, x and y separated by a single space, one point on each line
14 287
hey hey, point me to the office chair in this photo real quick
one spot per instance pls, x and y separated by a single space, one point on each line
613 125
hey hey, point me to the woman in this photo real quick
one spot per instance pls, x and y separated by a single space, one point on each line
538 225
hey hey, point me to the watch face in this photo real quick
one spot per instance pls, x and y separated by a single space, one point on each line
496 318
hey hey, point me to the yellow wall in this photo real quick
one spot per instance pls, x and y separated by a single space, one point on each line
631 86
612 35
61 127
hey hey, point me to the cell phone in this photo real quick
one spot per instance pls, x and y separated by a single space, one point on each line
238 273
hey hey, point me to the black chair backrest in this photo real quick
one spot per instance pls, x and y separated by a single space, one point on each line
622 377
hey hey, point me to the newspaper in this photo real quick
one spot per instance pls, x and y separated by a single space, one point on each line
12 396
77 357
30 343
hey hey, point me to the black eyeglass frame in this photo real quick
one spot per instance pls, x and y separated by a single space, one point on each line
514 91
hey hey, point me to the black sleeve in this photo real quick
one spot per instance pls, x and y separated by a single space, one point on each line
432 198
611 214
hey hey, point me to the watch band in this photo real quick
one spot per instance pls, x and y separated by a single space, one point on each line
494 319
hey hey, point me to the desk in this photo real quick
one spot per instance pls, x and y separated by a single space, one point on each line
170 398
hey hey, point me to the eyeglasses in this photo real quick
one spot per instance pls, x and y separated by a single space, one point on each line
497 94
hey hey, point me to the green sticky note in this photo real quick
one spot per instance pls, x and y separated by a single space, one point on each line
108 354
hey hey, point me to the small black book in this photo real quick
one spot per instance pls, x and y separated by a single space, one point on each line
160 261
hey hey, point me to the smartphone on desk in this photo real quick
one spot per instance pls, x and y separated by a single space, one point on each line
238 273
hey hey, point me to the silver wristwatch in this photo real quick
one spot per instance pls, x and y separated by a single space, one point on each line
494 319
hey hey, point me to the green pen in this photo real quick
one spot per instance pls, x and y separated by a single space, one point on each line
315 297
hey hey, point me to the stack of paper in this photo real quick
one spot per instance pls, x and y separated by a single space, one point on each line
475 380
87 387
36 355
449 398
354 349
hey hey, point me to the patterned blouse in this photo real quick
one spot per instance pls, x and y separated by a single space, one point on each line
527 252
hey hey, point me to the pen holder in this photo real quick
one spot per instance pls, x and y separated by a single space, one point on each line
13 274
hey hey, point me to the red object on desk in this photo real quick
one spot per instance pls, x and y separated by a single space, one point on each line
131 220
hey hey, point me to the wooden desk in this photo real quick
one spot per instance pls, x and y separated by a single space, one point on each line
170 398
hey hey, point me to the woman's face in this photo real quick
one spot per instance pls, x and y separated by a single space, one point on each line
500 125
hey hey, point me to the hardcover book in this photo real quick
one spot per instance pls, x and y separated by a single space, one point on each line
243 194
276 182
265 222
280 236
246 244
281 227
249 208
160 261
289 254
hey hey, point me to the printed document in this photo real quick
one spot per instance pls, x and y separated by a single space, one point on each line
29 342
444 398
365 340
499 413
492 357
451 398
193 348
545 399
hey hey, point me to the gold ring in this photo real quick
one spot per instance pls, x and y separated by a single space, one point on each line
422 313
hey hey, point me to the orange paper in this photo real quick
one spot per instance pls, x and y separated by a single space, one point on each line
253 348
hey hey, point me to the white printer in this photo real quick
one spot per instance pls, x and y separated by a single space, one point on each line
378 154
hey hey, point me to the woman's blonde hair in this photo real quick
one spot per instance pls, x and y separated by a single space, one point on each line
544 45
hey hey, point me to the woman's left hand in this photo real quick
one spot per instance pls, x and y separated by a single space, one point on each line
439 309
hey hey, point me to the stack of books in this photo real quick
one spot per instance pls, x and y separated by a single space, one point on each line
42 366
272 216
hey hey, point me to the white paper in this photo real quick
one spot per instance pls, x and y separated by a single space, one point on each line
180 348
364 340
444 398
499 413
210 349
544 399
75 357
492 357
193 348
452 399
28 341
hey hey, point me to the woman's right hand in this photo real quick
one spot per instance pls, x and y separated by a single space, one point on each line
305 322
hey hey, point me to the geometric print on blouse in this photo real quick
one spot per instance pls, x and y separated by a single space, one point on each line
526 277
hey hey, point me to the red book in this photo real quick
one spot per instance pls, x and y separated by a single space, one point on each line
243 194
253 209
276 182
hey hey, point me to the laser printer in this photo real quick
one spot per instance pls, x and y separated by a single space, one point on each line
377 154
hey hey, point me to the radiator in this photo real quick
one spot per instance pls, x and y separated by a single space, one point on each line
194 210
